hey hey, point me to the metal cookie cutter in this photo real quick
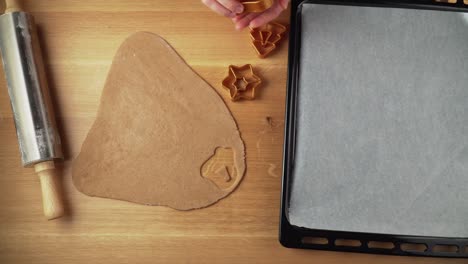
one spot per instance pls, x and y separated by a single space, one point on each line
265 38
241 82
256 6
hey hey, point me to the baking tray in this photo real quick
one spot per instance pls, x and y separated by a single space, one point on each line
298 237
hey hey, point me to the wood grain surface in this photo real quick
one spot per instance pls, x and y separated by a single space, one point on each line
79 39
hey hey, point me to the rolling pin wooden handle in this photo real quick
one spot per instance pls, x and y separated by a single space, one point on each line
51 194
12 6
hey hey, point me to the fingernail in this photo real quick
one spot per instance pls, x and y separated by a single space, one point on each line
239 9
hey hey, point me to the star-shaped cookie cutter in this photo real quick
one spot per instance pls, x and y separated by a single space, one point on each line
265 38
241 82
256 6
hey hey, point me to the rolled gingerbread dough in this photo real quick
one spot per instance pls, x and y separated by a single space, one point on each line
159 130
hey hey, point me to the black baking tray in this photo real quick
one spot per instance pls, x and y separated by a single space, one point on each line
296 237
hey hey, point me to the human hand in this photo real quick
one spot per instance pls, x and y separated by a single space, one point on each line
227 8
255 20
233 10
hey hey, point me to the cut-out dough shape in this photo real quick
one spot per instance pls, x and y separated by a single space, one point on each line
157 125
220 168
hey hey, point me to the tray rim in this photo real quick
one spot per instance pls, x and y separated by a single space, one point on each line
291 236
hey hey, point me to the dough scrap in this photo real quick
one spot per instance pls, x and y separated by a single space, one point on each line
158 123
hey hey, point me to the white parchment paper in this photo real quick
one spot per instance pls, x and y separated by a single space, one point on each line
382 122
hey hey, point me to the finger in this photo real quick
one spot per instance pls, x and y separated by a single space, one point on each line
266 16
284 4
245 21
233 5
218 8
239 17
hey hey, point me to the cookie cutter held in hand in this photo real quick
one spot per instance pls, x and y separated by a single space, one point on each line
241 82
256 6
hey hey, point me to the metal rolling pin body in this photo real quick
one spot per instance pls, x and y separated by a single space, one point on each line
38 137
27 87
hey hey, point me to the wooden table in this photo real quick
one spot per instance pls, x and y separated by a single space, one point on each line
79 39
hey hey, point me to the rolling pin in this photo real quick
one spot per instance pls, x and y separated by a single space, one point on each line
38 138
